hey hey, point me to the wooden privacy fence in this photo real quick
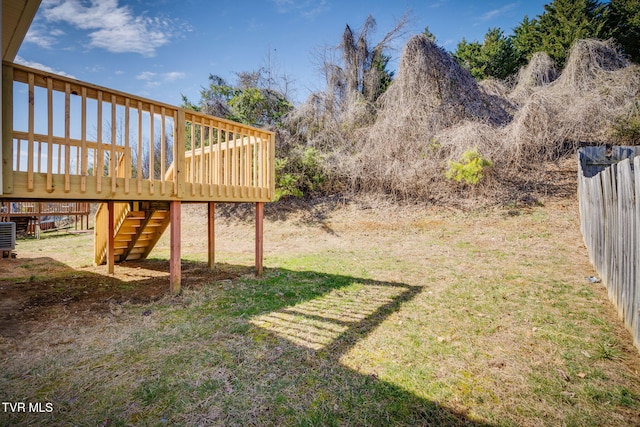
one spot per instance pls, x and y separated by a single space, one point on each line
610 225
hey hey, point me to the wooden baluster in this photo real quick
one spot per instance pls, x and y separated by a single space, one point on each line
192 172
202 176
19 154
113 157
31 79
261 162
59 170
179 147
67 137
140 155
127 148
99 163
241 155
246 143
152 165
227 162
49 185
163 155
212 134
219 176
269 166
234 165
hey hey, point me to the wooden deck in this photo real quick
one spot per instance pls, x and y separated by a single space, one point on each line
67 140
74 140
33 216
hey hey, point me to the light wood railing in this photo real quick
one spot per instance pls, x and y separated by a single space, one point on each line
75 140
14 208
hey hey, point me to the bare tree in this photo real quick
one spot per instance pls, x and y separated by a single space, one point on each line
356 75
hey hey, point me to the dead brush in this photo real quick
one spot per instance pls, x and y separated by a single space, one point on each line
434 111
596 86
401 152
539 72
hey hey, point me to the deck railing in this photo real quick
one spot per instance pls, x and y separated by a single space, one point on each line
75 140
15 208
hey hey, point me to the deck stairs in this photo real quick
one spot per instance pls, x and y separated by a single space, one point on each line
138 227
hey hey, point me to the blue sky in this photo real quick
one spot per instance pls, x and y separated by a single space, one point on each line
162 48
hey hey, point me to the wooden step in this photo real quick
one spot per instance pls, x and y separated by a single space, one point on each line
140 230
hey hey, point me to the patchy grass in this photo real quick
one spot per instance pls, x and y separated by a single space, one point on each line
433 318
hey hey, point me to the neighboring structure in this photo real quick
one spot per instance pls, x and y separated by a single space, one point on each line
31 217
67 140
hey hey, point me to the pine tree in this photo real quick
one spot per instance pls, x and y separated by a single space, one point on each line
495 57
623 24
565 21
526 40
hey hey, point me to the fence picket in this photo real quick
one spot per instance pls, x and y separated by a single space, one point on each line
610 225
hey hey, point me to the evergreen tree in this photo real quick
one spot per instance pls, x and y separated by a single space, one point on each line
526 40
565 21
495 57
623 24
429 34
468 54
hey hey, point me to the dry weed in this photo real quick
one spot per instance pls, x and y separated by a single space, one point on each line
539 72
434 111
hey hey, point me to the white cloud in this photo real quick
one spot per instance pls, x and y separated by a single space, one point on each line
39 66
496 12
40 37
146 75
306 8
174 75
436 4
112 27
153 79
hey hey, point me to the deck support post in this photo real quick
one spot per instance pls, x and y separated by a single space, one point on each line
211 234
111 227
6 143
175 273
259 237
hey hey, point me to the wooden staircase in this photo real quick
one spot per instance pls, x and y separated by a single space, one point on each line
138 228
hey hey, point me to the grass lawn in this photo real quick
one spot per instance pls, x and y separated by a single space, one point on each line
386 316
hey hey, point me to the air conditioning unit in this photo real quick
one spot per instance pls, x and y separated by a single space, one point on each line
7 236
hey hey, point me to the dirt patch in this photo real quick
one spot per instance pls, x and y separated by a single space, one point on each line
29 303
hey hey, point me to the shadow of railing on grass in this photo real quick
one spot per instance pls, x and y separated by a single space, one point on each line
275 343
